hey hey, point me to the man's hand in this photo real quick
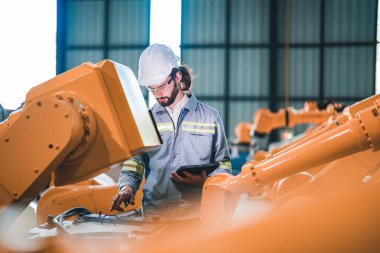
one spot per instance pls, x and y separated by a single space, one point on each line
125 195
189 178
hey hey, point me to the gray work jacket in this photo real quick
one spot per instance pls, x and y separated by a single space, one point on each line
198 138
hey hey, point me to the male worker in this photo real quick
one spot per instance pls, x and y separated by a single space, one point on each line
192 133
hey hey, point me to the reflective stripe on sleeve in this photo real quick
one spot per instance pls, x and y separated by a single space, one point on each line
165 127
131 165
225 165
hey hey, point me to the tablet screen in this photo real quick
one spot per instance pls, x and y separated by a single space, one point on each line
197 169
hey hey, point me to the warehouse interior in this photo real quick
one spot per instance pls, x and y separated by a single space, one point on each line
310 66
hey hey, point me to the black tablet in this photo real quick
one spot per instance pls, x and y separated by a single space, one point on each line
197 169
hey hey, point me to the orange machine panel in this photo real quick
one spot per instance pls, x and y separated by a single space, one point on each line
73 126
111 92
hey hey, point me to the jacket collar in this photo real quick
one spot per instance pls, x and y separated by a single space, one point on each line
191 105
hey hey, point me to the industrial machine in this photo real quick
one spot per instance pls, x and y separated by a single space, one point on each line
355 131
88 118
71 128
341 215
89 194
264 122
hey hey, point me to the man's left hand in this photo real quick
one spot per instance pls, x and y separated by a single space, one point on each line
189 178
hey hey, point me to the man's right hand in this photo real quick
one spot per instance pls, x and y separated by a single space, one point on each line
125 195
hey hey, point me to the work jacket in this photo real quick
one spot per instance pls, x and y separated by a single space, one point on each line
198 138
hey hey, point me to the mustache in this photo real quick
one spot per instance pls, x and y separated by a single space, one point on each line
163 97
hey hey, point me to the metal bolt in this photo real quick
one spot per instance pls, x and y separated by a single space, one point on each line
50 219
15 194
36 170
6 139
56 105
66 115
50 145
39 103
27 116
375 112
87 130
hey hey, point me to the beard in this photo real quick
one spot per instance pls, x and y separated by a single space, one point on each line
169 100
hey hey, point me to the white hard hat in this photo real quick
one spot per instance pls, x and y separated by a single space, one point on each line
156 63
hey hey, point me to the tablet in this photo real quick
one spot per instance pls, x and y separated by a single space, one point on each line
197 169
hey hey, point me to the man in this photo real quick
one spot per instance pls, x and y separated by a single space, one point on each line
192 133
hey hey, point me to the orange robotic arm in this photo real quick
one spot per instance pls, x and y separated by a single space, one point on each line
72 127
360 132
243 133
265 121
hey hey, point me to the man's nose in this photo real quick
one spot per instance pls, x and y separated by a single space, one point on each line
158 93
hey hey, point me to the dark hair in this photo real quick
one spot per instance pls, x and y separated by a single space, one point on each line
186 77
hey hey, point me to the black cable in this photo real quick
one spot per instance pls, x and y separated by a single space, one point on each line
286 117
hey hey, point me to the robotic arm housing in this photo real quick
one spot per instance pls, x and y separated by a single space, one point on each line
72 127
265 121
360 132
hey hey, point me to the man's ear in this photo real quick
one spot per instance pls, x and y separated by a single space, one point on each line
178 76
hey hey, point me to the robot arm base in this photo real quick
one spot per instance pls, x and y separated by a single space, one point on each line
24 174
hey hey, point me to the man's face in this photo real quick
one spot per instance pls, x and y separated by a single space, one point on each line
166 92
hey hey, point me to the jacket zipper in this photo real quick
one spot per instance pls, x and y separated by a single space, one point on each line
178 124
